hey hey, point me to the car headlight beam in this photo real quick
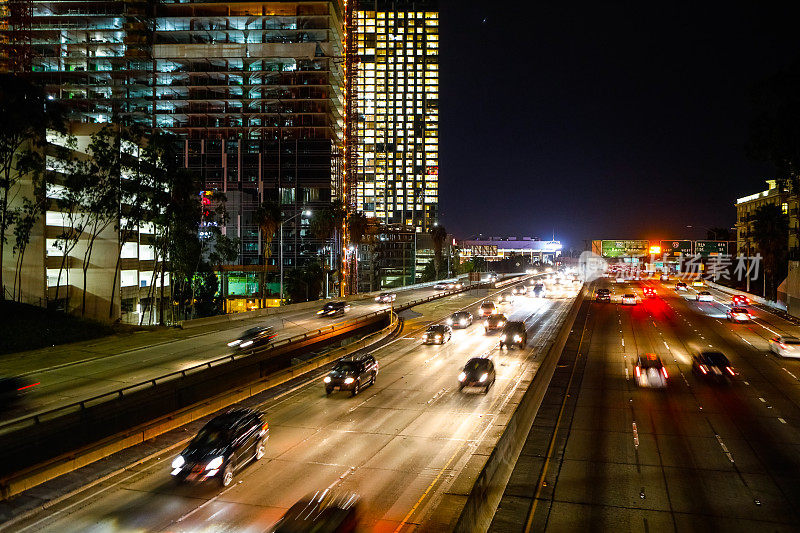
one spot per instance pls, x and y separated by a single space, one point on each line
215 463
178 462
484 377
348 381
327 379
462 376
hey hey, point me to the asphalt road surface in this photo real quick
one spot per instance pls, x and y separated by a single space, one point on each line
64 385
400 444
697 456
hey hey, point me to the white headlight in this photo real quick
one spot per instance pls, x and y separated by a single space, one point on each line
462 376
449 321
437 337
484 377
320 311
517 338
235 343
178 462
504 337
327 379
215 463
348 381
246 344
463 322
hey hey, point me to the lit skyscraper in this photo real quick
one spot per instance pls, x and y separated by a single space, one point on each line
398 111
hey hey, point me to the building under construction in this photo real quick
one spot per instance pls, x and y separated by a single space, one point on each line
255 92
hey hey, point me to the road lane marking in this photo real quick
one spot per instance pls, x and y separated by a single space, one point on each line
782 420
787 371
635 436
762 399
724 448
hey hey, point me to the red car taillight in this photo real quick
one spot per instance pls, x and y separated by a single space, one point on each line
638 372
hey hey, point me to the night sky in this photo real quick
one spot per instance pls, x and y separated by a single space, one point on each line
601 122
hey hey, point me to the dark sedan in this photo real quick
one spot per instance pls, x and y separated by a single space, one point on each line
460 319
253 337
437 334
225 444
352 374
494 322
334 309
478 372
324 512
712 366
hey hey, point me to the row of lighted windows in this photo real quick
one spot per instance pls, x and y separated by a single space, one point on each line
371 15
127 278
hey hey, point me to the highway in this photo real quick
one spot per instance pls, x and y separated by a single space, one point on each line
401 444
698 456
103 369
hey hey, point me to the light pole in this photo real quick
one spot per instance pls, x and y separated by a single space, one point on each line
306 213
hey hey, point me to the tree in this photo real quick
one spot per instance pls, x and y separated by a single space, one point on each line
357 227
268 218
771 229
25 116
305 284
326 225
28 212
429 272
439 236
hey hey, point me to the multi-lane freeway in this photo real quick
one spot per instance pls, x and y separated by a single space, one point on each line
698 456
401 444
106 365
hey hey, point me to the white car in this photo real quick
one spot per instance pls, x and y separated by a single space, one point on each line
629 299
704 296
650 371
739 314
620 279
785 346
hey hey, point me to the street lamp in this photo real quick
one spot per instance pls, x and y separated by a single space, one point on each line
305 213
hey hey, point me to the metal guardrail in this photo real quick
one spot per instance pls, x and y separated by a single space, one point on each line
41 416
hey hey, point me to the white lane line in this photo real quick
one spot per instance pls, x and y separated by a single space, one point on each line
623 342
627 377
787 371
762 399
782 420
666 345
724 448
635 436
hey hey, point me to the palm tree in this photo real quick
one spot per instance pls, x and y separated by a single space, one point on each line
439 236
268 218
325 225
771 229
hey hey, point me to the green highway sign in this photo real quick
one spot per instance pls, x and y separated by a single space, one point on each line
624 248
711 247
676 247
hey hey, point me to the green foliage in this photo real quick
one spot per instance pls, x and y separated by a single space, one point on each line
356 227
305 284
429 272
439 236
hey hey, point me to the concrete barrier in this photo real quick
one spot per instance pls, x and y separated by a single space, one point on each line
488 488
758 299
31 477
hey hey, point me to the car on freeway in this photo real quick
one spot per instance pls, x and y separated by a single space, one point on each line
713 366
487 309
785 346
334 309
437 334
514 334
222 447
620 279
351 373
441 287
478 372
13 390
650 371
460 319
629 299
539 290
492 277
704 296
454 285
740 300
681 286
519 289
649 292
698 283
494 322
386 297
664 277
739 314
602 295
324 512
506 298
253 337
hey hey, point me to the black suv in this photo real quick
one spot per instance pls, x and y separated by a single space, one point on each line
437 334
514 334
334 309
324 512
713 366
224 445
352 374
603 295
478 372
253 337
494 322
460 319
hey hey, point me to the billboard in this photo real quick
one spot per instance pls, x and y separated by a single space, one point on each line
676 247
711 247
624 248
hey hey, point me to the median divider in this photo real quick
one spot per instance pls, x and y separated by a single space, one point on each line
482 501
28 478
